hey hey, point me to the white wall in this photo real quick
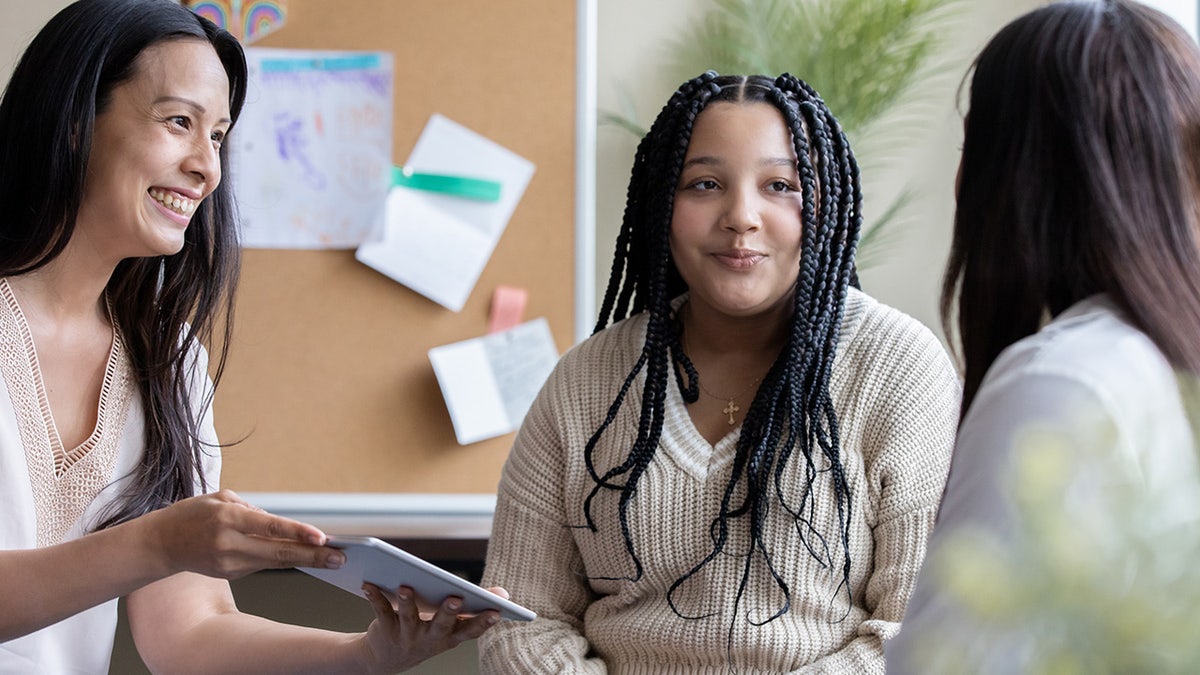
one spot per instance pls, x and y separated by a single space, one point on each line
19 21
1183 11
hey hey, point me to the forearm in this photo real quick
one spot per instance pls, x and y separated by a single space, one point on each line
216 535
553 643
45 585
253 644
533 556
532 552
899 552
541 647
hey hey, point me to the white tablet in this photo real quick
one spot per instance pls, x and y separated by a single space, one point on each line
375 561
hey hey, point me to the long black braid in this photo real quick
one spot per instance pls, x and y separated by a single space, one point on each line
793 408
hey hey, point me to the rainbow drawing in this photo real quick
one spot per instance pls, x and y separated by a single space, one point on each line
261 17
215 11
246 20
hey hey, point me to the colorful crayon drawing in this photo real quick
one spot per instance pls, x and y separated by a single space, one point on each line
248 20
312 152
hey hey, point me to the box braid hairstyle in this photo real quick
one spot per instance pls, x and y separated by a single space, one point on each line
793 408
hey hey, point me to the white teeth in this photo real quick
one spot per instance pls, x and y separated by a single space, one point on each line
180 205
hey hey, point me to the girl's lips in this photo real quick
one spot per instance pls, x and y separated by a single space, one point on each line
739 259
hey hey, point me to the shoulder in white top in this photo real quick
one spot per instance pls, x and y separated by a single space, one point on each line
1098 387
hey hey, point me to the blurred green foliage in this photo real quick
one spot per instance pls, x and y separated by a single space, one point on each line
1101 576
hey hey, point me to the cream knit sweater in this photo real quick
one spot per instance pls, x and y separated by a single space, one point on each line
896 395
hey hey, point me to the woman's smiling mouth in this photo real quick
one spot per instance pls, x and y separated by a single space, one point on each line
174 201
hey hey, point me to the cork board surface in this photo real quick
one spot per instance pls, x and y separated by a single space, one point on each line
328 385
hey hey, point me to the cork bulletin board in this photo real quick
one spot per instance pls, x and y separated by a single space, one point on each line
328 383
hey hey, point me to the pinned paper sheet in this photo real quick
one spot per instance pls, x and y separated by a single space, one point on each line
490 382
247 20
312 149
437 243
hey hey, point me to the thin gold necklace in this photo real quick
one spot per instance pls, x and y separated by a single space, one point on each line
731 405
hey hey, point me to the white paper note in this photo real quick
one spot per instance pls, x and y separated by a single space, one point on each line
438 244
490 382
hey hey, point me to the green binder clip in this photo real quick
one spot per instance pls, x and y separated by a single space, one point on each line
458 186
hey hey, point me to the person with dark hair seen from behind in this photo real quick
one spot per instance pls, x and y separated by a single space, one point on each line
738 471
118 255
1074 284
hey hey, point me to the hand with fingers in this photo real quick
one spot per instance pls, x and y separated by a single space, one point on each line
402 635
221 535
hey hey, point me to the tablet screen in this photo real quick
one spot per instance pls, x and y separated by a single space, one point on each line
373 560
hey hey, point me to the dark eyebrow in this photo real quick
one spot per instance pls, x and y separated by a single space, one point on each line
708 160
703 160
189 103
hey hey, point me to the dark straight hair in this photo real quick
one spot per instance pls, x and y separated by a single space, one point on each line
792 413
1080 175
162 306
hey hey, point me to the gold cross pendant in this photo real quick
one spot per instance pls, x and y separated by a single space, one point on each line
730 409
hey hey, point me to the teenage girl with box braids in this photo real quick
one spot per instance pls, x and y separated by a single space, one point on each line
740 467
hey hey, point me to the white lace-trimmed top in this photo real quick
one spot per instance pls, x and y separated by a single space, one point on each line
50 494
64 480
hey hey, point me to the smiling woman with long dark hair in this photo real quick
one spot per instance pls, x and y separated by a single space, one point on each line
118 255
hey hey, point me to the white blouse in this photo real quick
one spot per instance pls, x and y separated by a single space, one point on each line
50 494
1094 383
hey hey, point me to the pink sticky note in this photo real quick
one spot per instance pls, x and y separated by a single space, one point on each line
508 308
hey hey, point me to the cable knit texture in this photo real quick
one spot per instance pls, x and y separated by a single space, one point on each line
896 396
